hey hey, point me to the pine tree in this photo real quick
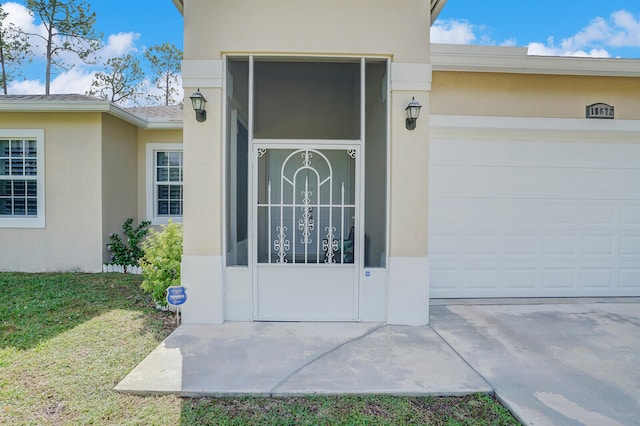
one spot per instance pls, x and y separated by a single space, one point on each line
121 81
14 50
165 61
69 28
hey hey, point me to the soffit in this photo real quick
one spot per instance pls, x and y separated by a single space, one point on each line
515 60
83 103
436 7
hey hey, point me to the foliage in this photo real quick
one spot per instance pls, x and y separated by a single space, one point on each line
14 50
161 261
128 252
121 81
69 28
348 410
165 61
67 339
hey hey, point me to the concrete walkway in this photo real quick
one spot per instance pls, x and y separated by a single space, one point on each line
283 359
568 362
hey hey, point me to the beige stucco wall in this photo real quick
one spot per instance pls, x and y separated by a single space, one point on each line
119 176
397 30
203 195
145 137
527 95
72 236
294 26
409 179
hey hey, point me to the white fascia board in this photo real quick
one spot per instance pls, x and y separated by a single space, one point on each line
179 5
98 106
514 60
459 122
436 8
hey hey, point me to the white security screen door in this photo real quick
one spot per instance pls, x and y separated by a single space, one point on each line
306 249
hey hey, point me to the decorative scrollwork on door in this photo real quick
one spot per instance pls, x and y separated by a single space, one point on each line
307 214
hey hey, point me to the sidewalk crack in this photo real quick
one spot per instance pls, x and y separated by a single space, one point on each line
324 354
446 342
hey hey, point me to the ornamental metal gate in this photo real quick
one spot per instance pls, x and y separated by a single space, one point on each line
306 245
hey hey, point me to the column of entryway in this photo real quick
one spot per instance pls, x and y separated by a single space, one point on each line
201 271
408 285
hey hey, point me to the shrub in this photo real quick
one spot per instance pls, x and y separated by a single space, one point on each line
129 252
161 261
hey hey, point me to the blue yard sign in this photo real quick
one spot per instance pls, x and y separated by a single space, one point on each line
176 295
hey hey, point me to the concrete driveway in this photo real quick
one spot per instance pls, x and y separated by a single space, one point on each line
568 362
565 363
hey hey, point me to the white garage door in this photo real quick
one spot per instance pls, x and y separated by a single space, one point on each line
534 214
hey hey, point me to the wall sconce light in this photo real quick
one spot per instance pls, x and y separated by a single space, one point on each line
198 101
413 111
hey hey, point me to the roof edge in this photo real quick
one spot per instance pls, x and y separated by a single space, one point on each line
90 106
179 4
515 60
436 8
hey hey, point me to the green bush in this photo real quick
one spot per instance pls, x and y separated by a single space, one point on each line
161 261
128 252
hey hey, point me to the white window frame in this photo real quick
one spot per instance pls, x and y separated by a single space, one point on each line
151 193
37 221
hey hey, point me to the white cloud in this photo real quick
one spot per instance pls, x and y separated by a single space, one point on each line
21 17
540 49
627 30
75 80
460 31
119 44
452 31
621 30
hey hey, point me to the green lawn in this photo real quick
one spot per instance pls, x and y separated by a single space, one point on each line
67 339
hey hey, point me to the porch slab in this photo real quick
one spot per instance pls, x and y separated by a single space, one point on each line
287 359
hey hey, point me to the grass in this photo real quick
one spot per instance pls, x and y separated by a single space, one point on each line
67 339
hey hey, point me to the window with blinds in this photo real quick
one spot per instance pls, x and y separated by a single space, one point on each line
21 178
168 183
18 177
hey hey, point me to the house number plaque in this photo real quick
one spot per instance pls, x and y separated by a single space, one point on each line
600 110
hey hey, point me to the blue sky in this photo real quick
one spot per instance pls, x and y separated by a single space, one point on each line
609 28
604 28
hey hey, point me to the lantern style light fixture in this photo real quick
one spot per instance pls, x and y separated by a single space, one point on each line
413 112
198 101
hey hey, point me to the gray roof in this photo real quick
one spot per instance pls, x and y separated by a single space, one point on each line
169 112
51 98
161 117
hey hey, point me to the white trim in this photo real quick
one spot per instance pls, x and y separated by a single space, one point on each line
411 77
458 122
16 105
453 57
39 220
151 215
203 73
408 291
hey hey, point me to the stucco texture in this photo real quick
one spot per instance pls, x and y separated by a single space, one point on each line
528 95
71 238
334 27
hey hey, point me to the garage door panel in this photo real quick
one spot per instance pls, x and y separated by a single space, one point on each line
598 245
630 245
630 214
564 229
597 278
535 152
599 213
630 278
536 183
